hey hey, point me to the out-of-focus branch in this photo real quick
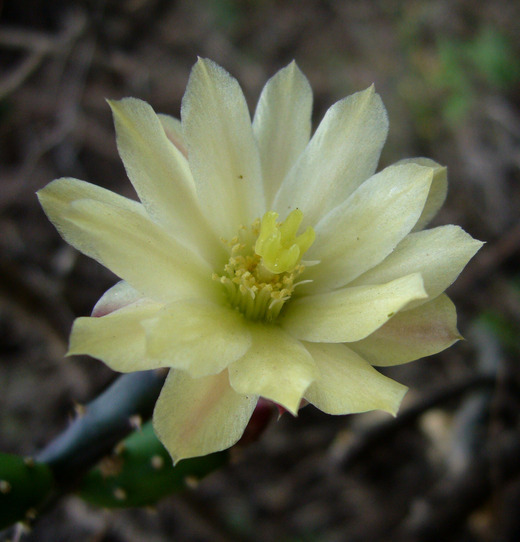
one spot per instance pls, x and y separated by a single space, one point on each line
451 501
36 300
382 432
39 46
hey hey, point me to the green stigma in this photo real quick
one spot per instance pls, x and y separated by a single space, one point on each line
277 243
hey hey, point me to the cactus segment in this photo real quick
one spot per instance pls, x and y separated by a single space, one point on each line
140 472
101 425
24 485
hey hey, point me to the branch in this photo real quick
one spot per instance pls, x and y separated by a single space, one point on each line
441 512
383 431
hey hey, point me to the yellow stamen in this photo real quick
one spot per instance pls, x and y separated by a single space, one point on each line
277 243
261 276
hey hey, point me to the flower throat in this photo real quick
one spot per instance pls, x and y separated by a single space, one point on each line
264 264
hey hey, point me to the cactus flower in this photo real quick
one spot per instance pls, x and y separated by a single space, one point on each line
261 261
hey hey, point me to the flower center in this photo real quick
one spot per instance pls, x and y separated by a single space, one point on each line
265 262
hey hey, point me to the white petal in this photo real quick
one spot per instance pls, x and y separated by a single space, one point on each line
118 338
343 153
276 367
412 334
199 416
438 189
361 232
222 150
197 336
350 314
173 130
161 175
123 239
282 125
439 254
349 384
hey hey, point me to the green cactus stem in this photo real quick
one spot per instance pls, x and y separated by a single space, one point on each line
101 425
27 485
24 485
140 472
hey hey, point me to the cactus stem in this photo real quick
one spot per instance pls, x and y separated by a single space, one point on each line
104 424
146 473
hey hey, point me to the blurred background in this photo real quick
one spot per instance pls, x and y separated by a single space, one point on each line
448 468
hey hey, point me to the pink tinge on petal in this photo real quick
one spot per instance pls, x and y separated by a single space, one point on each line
119 296
176 141
104 309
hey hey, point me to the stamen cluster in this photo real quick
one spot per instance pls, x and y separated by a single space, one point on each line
257 292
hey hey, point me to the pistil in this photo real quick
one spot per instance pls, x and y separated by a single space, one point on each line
260 276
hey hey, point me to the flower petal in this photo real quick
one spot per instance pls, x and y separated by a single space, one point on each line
161 175
117 297
118 338
412 334
361 232
282 125
199 416
438 189
60 193
348 384
276 367
343 153
439 254
350 314
173 130
222 149
123 239
197 336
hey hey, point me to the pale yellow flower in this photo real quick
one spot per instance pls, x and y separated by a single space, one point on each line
262 262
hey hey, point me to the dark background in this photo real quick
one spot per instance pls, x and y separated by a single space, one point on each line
449 75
